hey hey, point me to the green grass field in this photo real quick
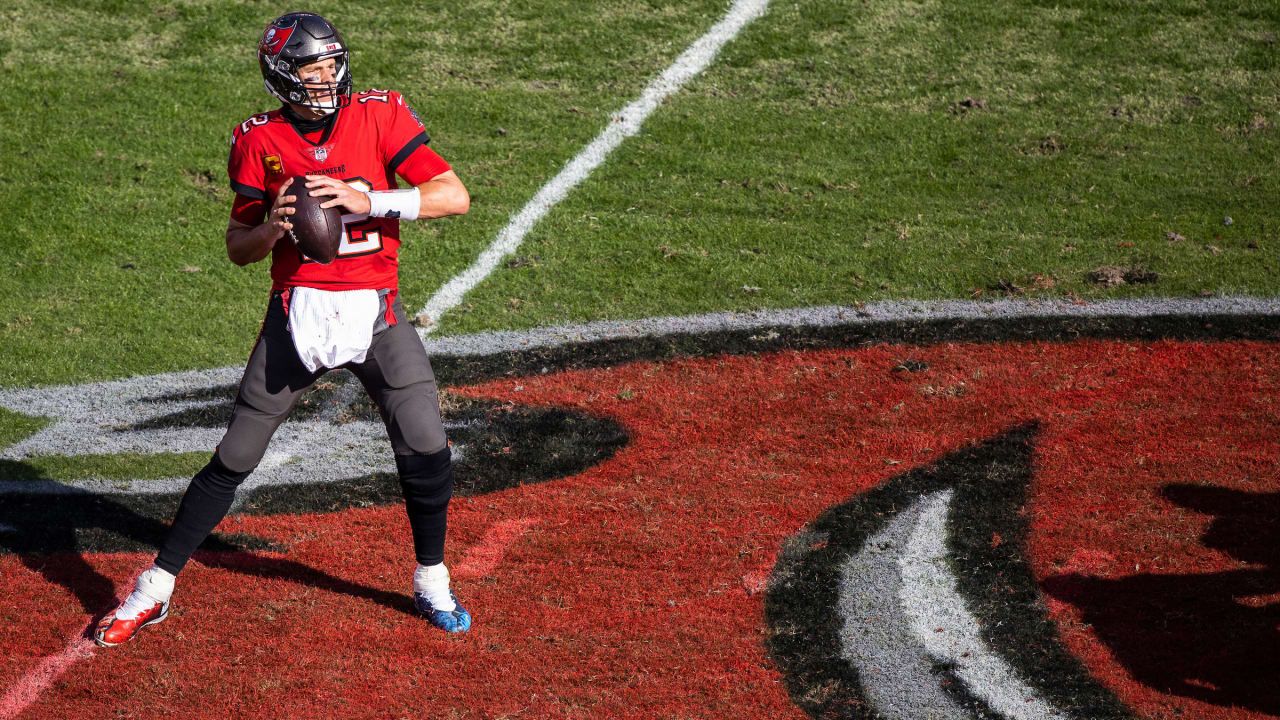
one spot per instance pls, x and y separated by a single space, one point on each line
835 152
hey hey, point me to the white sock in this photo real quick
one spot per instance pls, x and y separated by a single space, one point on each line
433 581
155 585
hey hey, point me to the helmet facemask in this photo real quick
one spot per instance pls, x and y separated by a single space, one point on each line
323 97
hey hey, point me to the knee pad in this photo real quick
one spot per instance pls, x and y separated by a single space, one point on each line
217 480
427 480
412 416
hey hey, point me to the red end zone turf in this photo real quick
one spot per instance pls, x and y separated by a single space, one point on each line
631 590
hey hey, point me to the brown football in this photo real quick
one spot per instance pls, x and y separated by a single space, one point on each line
317 232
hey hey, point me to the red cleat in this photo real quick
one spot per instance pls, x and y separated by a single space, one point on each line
113 630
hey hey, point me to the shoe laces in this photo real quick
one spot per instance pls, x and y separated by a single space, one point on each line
135 605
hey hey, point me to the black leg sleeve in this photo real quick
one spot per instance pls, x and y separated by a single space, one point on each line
427 482
205 503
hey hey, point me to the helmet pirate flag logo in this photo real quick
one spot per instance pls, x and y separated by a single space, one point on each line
293 41
273 41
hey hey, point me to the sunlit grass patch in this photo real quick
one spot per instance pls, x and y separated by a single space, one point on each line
123 467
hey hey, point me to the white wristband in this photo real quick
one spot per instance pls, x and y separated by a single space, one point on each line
401 204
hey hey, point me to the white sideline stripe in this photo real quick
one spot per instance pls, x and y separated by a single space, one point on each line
499 341
622 125
940 621
78 411
50 399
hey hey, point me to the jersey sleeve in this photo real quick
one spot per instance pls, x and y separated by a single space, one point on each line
402 135
422 165
248 177
248 211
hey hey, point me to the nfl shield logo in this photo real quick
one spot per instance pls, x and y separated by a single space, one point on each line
321 154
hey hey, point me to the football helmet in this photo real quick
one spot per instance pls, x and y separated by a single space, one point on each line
297 39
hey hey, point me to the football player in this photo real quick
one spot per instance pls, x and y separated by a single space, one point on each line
346 314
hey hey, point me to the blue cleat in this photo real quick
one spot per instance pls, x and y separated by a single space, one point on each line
455 620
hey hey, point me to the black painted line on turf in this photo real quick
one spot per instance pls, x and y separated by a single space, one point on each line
990 482
467 369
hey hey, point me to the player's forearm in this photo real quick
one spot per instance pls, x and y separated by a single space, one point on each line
443 196
247 245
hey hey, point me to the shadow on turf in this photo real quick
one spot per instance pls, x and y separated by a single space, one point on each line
1208 636
506 445
83 515
48 533
273 568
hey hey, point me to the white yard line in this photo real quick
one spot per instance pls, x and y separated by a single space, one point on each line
28 688
484 557
622 125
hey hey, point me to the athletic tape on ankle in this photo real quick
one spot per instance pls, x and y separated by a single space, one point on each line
401 204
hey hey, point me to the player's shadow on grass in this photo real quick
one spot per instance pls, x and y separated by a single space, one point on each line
1208 636
51 532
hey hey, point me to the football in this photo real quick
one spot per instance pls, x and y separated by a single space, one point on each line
316 231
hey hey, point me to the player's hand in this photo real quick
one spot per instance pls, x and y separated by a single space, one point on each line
341 194
281 209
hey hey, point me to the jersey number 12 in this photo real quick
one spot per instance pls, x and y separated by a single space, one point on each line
359 237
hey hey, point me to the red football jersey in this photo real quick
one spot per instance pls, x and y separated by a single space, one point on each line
371 140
